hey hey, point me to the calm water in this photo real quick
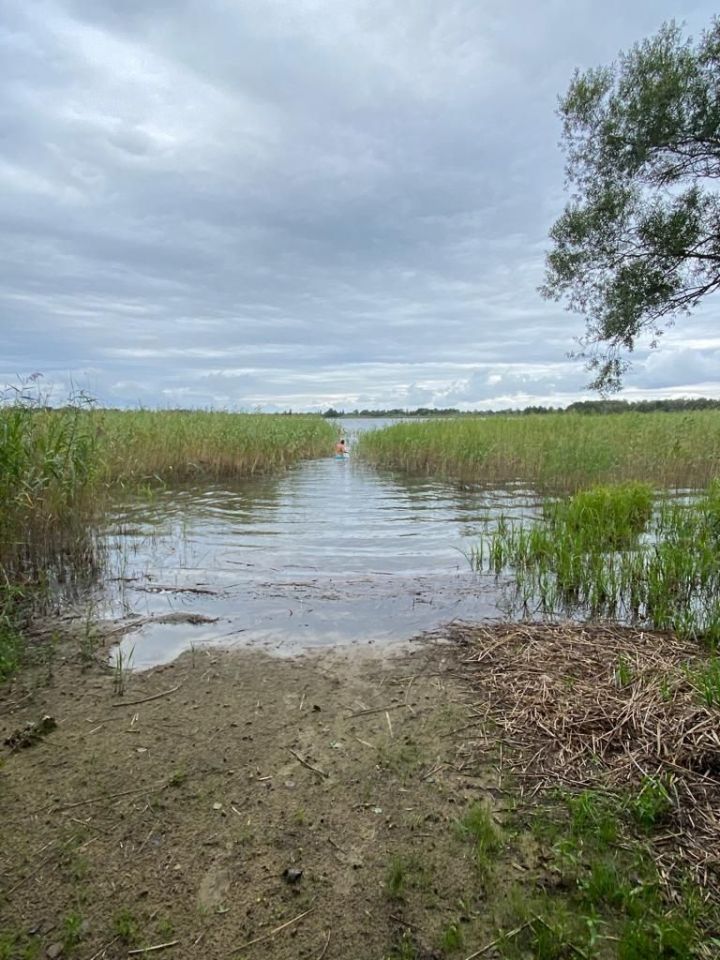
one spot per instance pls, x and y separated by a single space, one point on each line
331 553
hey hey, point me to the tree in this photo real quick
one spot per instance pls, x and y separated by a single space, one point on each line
639 242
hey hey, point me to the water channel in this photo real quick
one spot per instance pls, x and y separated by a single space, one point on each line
333 552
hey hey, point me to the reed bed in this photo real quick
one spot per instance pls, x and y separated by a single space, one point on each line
558 452
58 467
186 444
606 553
610 709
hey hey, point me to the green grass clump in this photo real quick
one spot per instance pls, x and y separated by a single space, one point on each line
652 803
667 937
606 886
396 878
478 825
594 815
19 947
604 517
125 926
404 873
560 452
11 643
706 680
603 552
72 931
452 938
404 949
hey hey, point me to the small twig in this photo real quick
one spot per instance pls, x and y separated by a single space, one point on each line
324 949
105 796
387 717
438 766
365 713
103 949
34 873
494 943
142 845
308 765
158 946
267 936
13 705
578 950
155 696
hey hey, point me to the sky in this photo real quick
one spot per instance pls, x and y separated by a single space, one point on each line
298 204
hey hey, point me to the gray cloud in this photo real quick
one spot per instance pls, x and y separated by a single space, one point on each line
298 202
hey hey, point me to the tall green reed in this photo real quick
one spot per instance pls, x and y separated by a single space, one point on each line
197 444
48 458
556 452
606 552
59 466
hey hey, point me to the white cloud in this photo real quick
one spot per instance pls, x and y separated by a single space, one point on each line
299 202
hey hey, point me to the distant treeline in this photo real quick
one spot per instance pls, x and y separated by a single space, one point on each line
581 406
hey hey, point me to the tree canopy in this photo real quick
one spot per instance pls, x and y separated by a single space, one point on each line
639 242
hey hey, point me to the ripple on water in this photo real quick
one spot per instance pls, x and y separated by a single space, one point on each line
330 553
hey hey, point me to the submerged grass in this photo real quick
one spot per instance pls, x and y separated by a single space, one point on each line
605 552
562 452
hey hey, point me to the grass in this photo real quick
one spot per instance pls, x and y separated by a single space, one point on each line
653 802
452 938
72 931
125 926
561 453
11 643
477 824
607 553
594 814
405 872
608 899
18 946
184 444
706 680
604 517
399 759
404 949
121 670
396 878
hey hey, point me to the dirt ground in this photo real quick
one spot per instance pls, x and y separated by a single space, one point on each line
231 804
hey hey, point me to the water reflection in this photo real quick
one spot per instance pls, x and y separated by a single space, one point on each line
331 553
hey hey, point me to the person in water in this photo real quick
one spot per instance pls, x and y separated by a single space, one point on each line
340 448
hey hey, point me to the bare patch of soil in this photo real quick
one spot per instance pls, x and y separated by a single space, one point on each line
251 791
511 791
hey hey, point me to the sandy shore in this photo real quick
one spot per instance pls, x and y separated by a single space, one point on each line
183 811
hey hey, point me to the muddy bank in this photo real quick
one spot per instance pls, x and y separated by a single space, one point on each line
440 802
254 790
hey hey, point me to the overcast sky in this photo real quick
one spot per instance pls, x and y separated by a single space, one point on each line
302 203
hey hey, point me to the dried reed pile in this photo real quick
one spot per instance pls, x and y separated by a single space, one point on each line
601 706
